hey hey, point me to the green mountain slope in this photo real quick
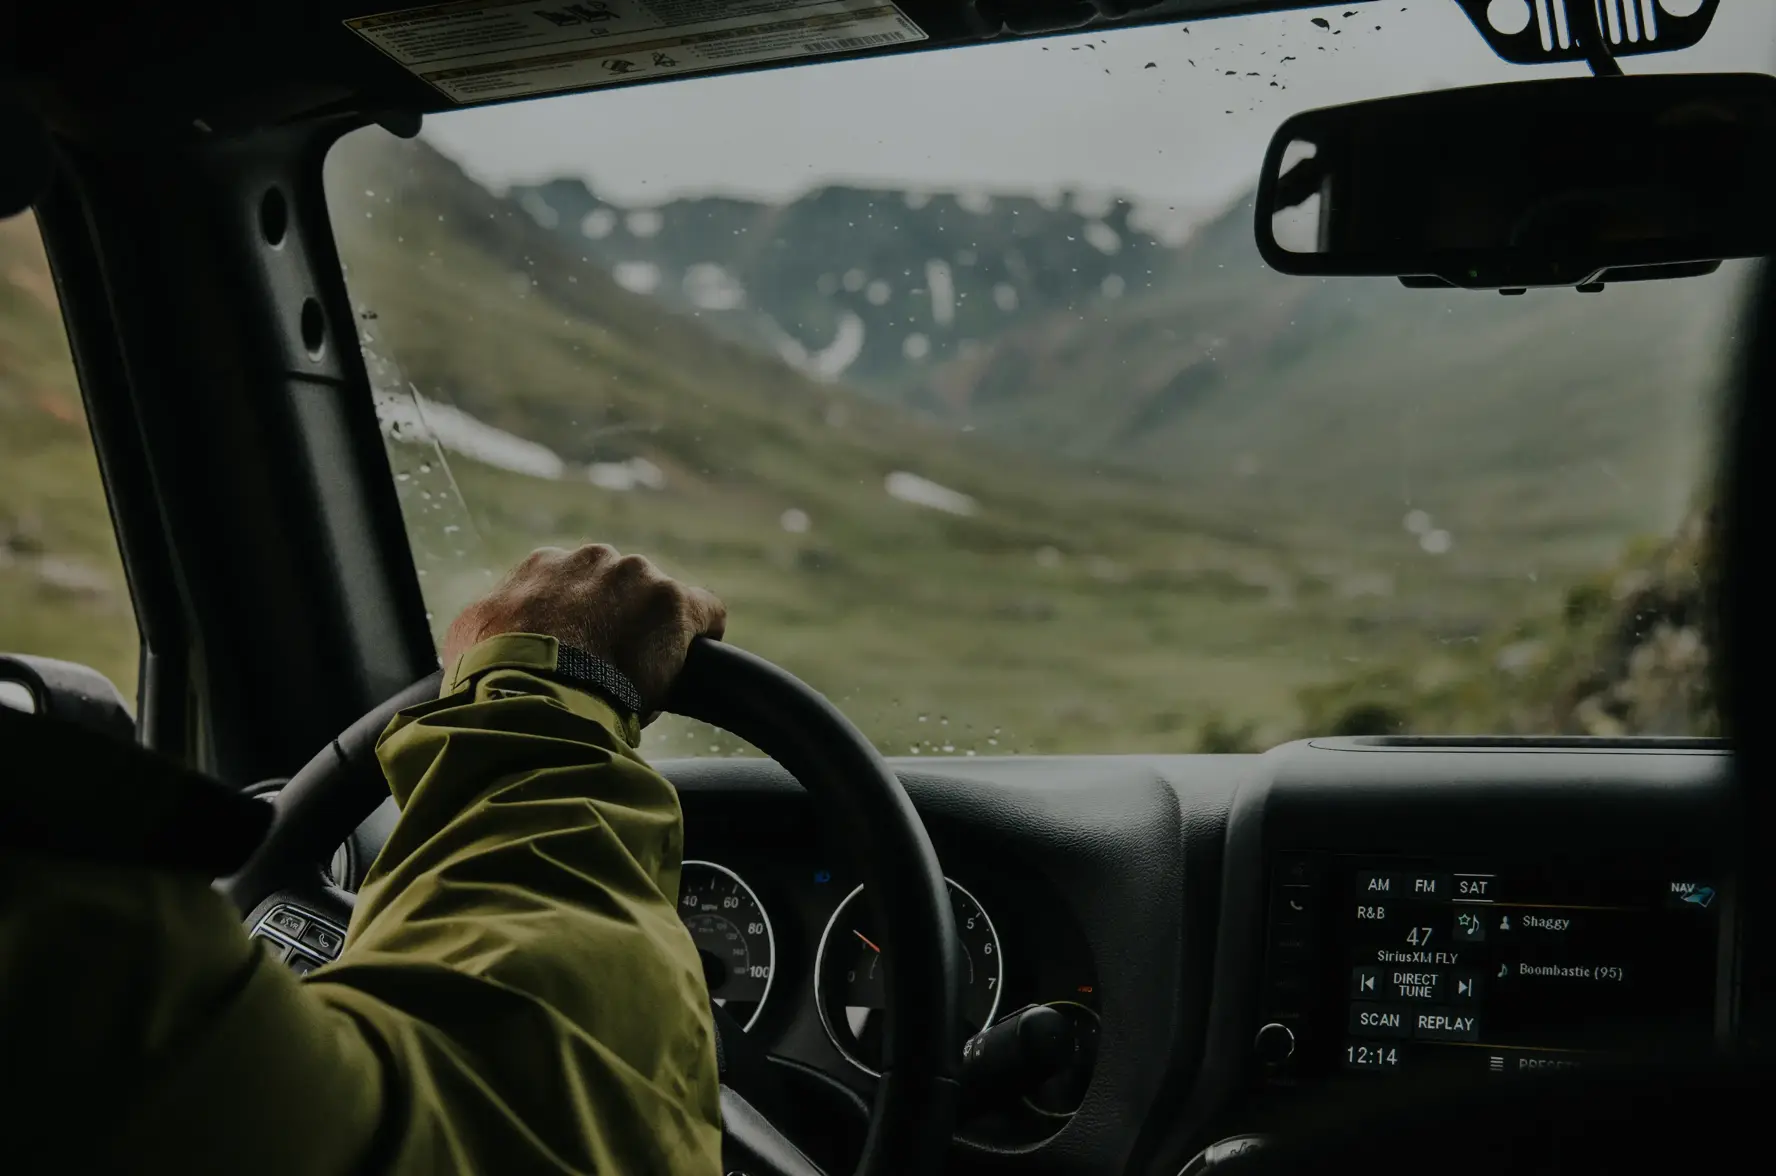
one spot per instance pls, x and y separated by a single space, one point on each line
886 282
1068 610
1627 653
1543 432
1551 424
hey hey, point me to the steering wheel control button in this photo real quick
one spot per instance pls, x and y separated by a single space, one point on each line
275 948
302 965
287 921
1275 1043
323 939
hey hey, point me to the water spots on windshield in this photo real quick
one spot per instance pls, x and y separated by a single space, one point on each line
635 473
637 277
449 554
975 201
672 736
709 286
831 361
943 292
540 210
1102 237
1432 539
919 491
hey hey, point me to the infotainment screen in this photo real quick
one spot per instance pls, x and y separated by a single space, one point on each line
1382 965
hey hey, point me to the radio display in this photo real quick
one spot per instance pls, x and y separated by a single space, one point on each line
1495 968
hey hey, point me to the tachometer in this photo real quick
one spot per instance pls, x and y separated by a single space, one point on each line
733 935
849 987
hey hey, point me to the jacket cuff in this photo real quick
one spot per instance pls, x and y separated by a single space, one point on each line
533 656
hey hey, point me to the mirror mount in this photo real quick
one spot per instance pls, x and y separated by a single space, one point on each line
1544 33
1598 54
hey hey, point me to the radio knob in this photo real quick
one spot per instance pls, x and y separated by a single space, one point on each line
1275 1044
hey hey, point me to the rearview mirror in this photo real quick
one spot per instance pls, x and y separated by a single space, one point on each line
1568 182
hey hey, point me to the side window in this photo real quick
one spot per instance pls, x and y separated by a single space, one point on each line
62 590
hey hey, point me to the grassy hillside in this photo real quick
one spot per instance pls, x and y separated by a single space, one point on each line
62 591
1068 612
1546 430
1627 653
1186 516
1553 426
1079 608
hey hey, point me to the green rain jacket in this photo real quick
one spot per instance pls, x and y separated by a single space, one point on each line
516 994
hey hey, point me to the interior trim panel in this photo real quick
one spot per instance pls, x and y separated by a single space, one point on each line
1130 848
1648 805
1148 877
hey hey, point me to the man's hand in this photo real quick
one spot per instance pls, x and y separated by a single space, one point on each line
617 607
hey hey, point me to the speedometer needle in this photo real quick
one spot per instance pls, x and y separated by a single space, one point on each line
866 941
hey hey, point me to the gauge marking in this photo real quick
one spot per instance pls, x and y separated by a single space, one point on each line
714 903
846 1024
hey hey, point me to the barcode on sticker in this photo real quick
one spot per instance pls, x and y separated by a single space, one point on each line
842 44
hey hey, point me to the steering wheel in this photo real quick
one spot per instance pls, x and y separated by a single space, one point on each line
795 725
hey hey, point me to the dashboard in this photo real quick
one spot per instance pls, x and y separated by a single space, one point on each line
1205 942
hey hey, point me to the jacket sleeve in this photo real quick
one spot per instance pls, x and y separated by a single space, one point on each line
516 993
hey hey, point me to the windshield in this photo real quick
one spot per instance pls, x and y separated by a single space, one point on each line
958 376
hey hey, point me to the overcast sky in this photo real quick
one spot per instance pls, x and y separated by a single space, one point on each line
1082 112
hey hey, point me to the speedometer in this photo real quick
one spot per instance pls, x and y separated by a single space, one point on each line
849 984
733 937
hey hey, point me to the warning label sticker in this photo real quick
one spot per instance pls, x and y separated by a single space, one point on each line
484 50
